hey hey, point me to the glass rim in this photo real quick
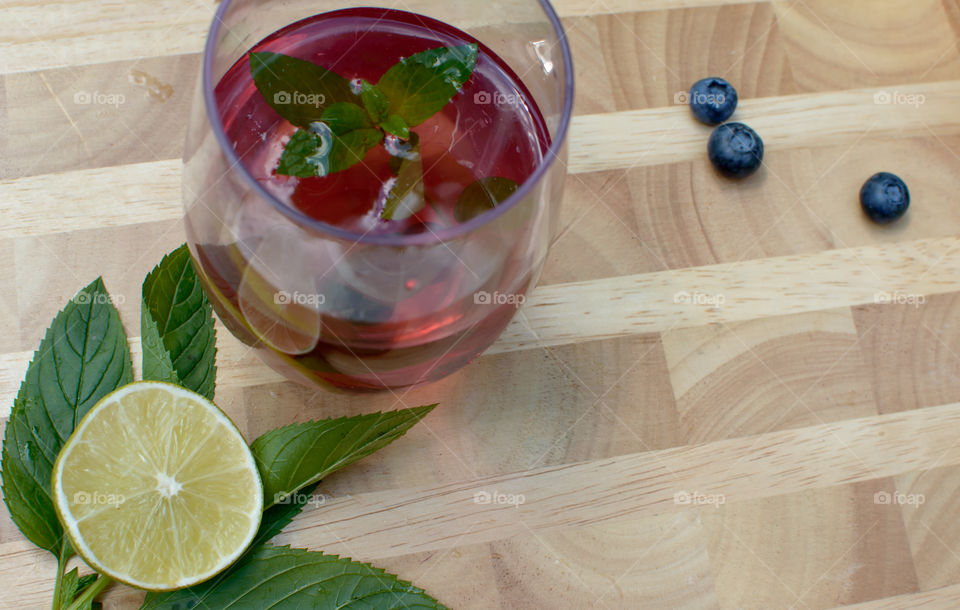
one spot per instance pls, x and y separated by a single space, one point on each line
550 157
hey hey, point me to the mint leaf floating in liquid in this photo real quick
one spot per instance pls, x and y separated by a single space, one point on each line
178 329
319 151
344 117
374 101
481 196
83 357
336 134
406 196
420 85
296 89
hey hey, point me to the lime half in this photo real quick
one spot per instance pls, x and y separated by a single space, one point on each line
157 488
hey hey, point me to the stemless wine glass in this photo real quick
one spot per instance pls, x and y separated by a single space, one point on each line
371 310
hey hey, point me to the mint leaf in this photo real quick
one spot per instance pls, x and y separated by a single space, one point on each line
83 356
420 85
157 363
374 101
283 577
179 332
274 520
350 148
343 117
68 588
396 125
296 89
482 196
406 196
297 455
304 155
319 151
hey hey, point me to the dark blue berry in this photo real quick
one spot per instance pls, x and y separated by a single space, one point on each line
884 197
735 149
712 100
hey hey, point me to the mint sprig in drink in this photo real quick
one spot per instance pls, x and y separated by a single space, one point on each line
386 141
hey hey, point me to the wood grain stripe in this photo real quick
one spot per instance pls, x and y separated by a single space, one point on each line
390 523
943 598
146 192
562 314
77 33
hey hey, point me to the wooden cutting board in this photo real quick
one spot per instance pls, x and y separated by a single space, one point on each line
734 395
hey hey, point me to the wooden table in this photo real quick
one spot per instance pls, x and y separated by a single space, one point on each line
721 395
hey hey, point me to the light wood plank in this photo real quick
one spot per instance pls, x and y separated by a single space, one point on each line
397 522
131 194
628 305
36 37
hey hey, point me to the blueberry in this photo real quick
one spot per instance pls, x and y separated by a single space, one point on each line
884 197
712 100
735 149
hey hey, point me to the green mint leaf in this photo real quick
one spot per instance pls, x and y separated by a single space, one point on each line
420 85
406 196
283 577
396 125
68 588
319 151
298 455
85 581
274 520
157 363
482 196
302 156
374 101
180 332
296 89
83 357
351 148
344 117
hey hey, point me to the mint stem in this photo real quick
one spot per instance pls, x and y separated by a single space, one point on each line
65 553
91 592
